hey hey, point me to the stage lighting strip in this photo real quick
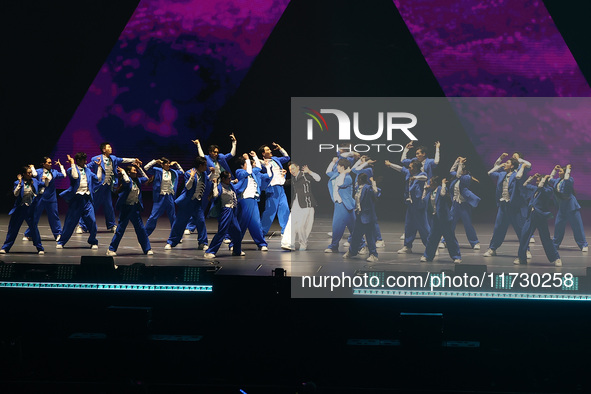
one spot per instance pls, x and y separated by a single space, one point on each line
105 286
470 294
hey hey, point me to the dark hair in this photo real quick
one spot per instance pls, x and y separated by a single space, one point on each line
290 163
225 175
424 149
240 160
262 149
45 158
344 163
435 180
212 148
363 179
199 161
519 153
103 146
514 163
415 163
79 156
24 169
164 160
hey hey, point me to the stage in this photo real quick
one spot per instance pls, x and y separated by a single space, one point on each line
299 263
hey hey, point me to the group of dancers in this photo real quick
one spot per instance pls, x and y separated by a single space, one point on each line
434 204
209 188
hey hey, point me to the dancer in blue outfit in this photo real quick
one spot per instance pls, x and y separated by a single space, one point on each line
538 214
79 198
26 190
130 205
276 201
463 200
340 187
437 200
48 197
569 210
164 186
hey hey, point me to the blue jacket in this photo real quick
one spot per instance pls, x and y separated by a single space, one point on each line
515 188
157 183
564 194
70 192
541 200
428 166
117 162
367 201
465 181
35 184
280 160
126 189
49 192
261 179
345 190
414 189
187 194
442 204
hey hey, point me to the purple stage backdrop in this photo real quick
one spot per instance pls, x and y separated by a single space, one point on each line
173 68
177 63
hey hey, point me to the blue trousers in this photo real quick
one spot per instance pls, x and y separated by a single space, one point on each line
227 224
533 222
52 217
131 213
506 215
438 229
415 220
102 198
341 218
22 214
378 232
250 218
576 223
80 208
356 242
464 212
275 205
162 204
186 210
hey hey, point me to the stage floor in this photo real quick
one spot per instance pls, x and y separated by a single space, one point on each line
311 262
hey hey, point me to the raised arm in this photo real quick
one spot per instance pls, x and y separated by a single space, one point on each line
331 165
393 166
233 150
436 159
314 175
198 145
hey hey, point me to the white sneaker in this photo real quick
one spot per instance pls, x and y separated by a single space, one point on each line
347 255
405 250
2 251
167 247
187 232
528 255
94 247
328 250
558 263
490 253
113 229
150 252
26 238
457 261
227 241
402 236
241 254
264 249
79 230
372 258
532 240
518 261
303 247
285 247
329 233
364 250
58 246
41 253
209 256
346 244
202 247
423 259
476 247
380 244
585 249
58 238
441 245
111 253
